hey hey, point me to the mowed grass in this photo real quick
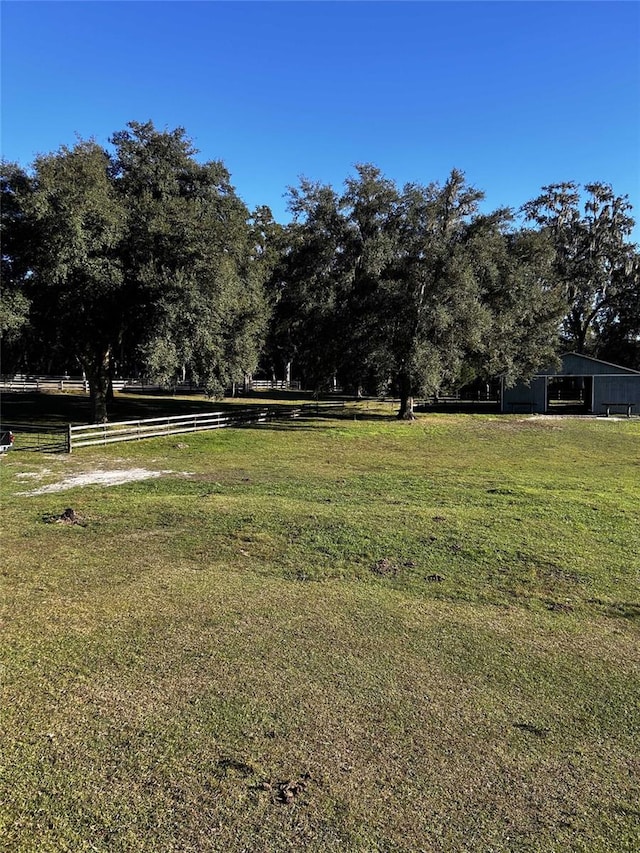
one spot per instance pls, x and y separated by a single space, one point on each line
327 635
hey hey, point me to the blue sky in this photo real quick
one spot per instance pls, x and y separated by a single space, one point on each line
517 95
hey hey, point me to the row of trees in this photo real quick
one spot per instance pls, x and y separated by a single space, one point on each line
141 259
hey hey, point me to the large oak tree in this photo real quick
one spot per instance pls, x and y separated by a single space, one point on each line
144 256
75 222
406 289
594 260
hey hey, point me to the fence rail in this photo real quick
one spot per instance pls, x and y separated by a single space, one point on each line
110 433
271 385
78 383
20 382
43 383
51 438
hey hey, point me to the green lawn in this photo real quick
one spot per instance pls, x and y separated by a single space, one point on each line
349 635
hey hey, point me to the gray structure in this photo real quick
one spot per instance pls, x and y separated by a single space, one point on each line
581 385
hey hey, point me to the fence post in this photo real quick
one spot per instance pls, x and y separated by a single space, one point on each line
69 438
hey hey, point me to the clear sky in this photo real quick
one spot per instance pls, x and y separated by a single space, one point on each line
516 94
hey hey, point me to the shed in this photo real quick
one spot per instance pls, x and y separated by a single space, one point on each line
581 385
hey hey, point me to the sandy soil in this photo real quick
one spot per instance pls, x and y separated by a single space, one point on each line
97 478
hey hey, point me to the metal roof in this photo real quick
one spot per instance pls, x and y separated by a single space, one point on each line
577 364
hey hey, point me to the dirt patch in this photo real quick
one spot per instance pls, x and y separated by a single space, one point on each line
96 478
384 567
69 516
559 607
287 791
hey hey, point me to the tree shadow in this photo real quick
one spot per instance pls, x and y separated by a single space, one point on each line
44 409
39 418
459 407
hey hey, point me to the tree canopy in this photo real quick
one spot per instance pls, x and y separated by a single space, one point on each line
411 289
594 261
138 258
142 257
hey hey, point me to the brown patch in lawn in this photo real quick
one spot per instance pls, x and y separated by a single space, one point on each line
560 607
287 792
385 567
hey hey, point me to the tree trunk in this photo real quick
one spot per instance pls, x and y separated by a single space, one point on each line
581 339
406 408
97 371
406 399
110 385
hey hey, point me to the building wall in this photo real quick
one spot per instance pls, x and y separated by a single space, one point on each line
611 384
524 397
606 389
616 389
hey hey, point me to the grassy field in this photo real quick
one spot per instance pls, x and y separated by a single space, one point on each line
347 635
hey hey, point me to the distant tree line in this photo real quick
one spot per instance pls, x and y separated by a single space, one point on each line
138 259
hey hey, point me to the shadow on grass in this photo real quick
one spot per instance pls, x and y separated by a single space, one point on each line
44 410
460 407
49 410
617 609
40 442
39 419
58 410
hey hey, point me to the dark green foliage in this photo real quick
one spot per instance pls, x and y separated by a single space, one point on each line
68 226
520 294
306 286
144 259
594 262
14 307
619 328
411 290
191 259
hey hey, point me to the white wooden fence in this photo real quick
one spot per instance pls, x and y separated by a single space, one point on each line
270 385
19 382
109 433
43 383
